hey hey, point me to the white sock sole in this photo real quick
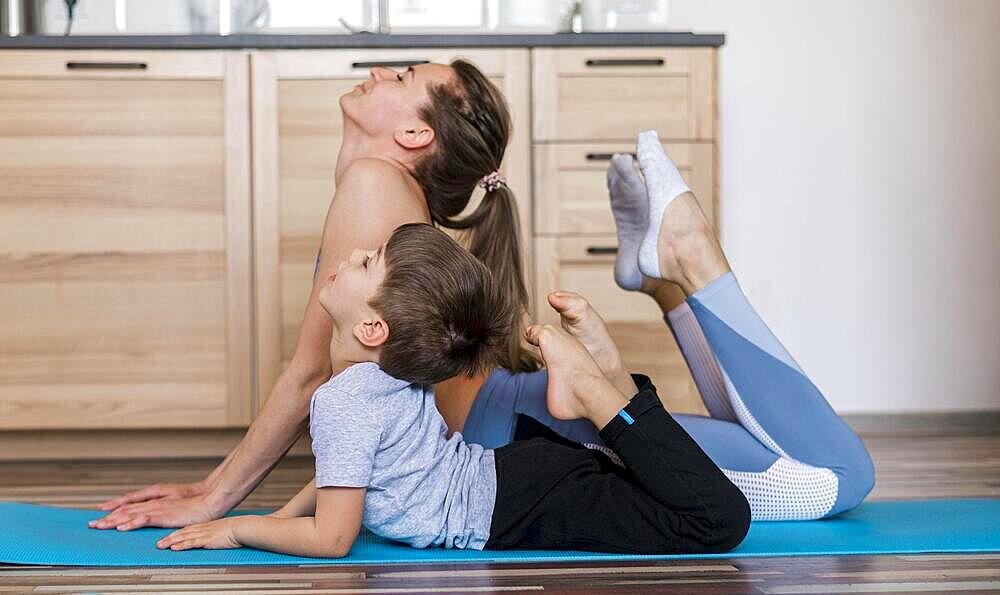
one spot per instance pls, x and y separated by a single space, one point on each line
664 183
628 205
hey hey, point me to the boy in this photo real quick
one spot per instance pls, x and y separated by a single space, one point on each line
421 309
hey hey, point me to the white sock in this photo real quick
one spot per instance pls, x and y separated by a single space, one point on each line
629 205
663 184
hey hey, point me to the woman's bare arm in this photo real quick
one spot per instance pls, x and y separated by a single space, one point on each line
372 200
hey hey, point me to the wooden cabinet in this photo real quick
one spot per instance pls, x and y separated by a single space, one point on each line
297 135
589 103
161 211
124 240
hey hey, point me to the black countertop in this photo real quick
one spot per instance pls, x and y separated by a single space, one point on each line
364 40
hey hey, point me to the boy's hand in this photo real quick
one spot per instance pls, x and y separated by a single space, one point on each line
213 535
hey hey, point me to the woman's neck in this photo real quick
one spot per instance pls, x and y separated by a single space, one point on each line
358 145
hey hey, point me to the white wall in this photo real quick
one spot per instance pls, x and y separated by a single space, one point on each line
861 190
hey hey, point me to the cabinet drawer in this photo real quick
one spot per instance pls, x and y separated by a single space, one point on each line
583 94
586 265
583 265
571 192
114 64
355 63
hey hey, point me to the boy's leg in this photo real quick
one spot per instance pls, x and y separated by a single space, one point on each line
553 496
672 498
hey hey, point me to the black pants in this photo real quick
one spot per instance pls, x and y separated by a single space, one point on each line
671 499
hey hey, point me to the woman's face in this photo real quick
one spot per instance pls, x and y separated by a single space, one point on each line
390 99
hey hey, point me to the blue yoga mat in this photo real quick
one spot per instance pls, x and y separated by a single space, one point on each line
33 534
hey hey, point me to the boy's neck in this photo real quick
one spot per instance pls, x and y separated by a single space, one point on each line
339 364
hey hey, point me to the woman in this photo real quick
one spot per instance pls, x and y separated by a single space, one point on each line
415 146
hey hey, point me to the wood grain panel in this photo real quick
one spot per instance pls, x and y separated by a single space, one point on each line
62 266
577 102
310 131
133 332
571 192
94 405
33 107
124 243
239 266
266 219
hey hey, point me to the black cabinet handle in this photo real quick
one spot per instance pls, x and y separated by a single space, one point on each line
625 62
388 63
604 156
595 250
106 66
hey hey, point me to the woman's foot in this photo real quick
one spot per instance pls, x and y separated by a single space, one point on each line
679 244
667 294
630 207
579 319
577 388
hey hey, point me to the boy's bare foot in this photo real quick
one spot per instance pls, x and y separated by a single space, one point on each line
579 319
577 387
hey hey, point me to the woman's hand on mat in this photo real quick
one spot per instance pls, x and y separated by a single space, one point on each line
213 535
162 512
157 490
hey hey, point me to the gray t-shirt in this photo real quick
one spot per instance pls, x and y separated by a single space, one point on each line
374 431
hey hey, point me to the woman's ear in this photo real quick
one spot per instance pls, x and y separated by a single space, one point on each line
416 136
372 333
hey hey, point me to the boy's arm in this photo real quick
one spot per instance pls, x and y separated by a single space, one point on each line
302 504
329 534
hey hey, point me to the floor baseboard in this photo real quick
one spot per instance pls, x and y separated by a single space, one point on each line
37 445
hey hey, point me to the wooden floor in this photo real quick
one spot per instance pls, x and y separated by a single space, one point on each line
916 462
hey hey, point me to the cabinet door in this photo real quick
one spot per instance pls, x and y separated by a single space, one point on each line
571 190
297 132
586 265
612 94
124 240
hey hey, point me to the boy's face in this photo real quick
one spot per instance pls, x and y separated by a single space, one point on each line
345 294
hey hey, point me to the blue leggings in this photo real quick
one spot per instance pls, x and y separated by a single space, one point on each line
771 431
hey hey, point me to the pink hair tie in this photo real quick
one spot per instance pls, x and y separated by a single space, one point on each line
493 181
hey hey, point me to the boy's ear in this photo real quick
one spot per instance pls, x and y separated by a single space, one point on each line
372 333
415 136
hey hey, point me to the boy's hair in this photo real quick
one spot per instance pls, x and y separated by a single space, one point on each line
446 314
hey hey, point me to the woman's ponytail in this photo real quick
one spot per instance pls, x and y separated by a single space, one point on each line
471 123
492 234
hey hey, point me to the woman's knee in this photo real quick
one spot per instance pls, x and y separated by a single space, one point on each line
856 481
